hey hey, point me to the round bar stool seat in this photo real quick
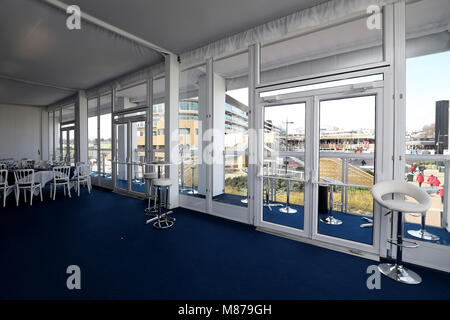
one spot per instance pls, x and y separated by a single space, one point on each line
149 177
162 183
163 220
397 271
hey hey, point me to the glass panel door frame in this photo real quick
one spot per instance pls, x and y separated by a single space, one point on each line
65 130
128 121
378 93
312 99
259 190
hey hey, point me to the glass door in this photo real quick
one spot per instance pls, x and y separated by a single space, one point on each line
68 145
130 148
283 171
344 168
122 157
317 152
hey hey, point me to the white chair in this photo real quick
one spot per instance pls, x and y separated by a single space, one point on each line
83 177
4 185
61 177
397 271
25 180
2 166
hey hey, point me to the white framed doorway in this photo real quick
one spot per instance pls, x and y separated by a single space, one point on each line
311 167
130 149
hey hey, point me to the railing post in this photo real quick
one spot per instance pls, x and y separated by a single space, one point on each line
346 188
182 171
343 161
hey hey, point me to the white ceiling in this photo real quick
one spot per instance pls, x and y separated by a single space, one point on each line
37 48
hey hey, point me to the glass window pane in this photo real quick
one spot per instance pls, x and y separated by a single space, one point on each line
347 167
284 164
50 135
138 156
132 97
192 108
122 156
58 156
105 168
427 117
93 134
68 113
158 119
230 179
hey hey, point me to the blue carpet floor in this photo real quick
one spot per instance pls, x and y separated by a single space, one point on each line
443 234
349 229
186 190
201 257
230 199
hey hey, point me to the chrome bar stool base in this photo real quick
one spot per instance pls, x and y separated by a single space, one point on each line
192 192
423 234
331 220
270 205
164 222
155 218
399 273
369 223
288 209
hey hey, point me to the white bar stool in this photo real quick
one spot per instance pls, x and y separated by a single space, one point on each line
162 221
397 271
149 177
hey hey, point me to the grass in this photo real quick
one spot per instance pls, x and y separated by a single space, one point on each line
360 200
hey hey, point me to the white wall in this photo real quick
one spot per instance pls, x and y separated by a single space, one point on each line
20 132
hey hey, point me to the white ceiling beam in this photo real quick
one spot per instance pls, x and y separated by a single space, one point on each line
104 25
36 83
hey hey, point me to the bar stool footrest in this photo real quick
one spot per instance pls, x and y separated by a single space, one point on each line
395 243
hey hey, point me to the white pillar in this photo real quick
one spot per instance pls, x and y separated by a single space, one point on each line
171 125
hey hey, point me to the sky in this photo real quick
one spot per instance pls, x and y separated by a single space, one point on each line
427 81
